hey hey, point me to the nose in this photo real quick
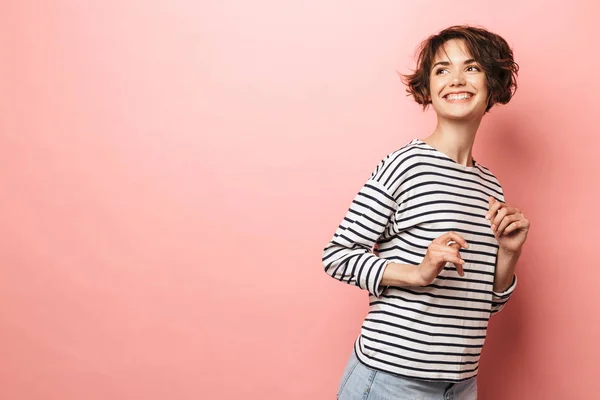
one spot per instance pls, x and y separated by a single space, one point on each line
458 79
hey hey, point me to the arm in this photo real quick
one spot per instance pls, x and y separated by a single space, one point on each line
439 253
505 270
505 279
510 228
348 257
401 275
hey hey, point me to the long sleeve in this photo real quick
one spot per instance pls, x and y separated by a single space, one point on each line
499 300
433 332
348 257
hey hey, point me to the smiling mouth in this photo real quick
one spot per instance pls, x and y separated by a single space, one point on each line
458 96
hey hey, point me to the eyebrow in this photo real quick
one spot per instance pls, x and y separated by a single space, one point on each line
446 63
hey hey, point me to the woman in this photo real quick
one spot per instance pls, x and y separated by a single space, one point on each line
430 236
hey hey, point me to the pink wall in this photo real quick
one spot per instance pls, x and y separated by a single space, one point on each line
170 172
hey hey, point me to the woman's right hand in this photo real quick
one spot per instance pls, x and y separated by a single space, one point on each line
438 254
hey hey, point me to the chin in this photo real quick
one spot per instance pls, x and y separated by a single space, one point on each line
461 115
455 112
466 116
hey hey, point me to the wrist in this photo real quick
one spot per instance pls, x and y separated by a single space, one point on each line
501 287
510 253
416 279
396 274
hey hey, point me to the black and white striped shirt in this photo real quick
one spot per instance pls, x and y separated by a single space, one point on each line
414 195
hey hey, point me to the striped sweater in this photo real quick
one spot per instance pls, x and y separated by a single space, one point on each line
414 195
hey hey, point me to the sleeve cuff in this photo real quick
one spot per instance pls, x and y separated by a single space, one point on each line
377 288
508 291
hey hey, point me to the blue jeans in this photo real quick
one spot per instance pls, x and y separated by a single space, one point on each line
360 382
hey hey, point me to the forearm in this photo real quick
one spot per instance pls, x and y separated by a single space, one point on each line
505 270
396 274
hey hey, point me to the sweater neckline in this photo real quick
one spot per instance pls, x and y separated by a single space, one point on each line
444 155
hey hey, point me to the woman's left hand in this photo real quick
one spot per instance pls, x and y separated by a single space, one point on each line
508 224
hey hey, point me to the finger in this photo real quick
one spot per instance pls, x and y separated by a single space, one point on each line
452 247
452 258
457 261
451 236
442 252
504 213
497 219
459 268
442 249
494 206
458 265
506 221
514 226
451 254
455 245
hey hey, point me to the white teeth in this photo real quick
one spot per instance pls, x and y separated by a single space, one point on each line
459 96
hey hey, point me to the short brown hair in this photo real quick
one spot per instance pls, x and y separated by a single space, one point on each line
490 50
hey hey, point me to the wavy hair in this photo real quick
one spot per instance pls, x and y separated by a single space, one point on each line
490 50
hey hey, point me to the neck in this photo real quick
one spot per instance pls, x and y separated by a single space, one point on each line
455 139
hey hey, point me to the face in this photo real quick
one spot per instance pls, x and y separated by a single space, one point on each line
457 83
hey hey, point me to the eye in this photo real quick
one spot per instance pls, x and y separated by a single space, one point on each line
476 68
439 71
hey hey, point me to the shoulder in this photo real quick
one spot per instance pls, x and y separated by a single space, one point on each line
414 146
408 149
393 164
487 173
491 181
485 170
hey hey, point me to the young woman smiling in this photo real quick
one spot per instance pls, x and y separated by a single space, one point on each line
430 236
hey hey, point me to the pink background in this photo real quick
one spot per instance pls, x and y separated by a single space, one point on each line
170 172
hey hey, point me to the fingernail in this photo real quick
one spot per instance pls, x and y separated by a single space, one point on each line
487 216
